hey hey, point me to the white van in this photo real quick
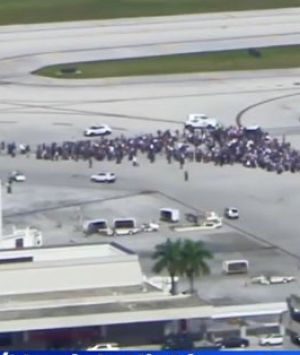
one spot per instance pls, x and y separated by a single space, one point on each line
169 215
125 226
235 267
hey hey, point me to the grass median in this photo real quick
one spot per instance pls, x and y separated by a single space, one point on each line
36 11
252 59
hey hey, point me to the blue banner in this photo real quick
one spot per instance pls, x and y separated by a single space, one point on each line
143 352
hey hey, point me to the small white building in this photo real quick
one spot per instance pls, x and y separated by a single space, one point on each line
19 238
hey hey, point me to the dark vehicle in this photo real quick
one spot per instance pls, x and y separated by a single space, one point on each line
295 339
294 307
233 342
194 218
178 342
6 339
253 132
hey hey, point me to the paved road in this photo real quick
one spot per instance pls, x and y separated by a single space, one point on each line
139 104
28 47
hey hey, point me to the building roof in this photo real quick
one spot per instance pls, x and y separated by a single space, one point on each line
62 268
123 306
80 285
71 251
93 307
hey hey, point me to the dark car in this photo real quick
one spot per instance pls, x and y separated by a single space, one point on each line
294 307
295 339
233 342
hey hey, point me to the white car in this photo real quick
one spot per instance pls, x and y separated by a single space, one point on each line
273 339
200 120
150 227
17 176
101 130
231 213
104 347
103 177
272 280
126 231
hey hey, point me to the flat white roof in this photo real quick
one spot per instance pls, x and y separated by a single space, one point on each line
63 268
68 252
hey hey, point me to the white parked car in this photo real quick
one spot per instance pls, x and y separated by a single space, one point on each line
103 177
150 227
273 339
200 120
101 130
17 176
104 347
231 213
272 280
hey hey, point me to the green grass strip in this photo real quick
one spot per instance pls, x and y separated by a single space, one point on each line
267 58
35 11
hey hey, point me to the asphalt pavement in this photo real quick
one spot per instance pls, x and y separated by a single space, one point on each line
58 197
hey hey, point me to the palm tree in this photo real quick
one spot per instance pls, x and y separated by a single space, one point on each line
168 256
194 260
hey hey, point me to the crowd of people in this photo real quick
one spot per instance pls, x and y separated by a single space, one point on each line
251 147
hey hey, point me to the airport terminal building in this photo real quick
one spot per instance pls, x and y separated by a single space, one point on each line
77 295
73 295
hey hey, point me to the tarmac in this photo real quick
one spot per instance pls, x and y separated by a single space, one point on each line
58 197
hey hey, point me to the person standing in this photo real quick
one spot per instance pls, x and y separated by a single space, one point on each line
134 161
8 187
186 175
90 162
